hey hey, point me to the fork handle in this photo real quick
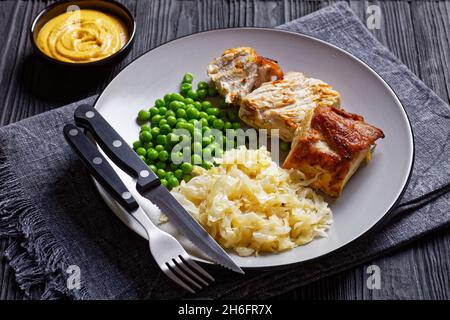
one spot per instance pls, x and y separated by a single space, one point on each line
99 167
115 147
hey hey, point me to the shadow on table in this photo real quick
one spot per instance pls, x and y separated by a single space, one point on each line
61 84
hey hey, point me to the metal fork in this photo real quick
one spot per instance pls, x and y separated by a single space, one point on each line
167 251
173 260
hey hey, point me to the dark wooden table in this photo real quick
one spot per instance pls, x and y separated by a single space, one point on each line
418 32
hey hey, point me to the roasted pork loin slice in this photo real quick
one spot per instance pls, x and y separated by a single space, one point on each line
238 71
332 147
286 104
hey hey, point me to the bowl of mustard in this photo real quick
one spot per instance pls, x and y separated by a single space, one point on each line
83 32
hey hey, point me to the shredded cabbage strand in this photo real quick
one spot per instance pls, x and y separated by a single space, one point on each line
251 205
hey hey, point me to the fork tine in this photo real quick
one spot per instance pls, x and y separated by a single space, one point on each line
194 265
184 275
175 278
183 266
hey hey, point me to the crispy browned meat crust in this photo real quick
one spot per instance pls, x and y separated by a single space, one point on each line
345 132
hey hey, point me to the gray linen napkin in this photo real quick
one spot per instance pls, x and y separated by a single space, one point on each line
51 210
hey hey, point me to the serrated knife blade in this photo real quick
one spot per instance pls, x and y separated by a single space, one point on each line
149 185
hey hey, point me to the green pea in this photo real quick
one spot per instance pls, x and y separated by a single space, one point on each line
285 146
145 127
172 182
236 125
153 111
188 101
192 94
176 97
167 98
152 154
207 165
162 122
171 121
165 129
145 136
156 119
148 145
159 148
198 105
187 177
163 182
180 124
159 103
186 167
190 127
196 159
170 113
161 139
193 121
218 124
197 147
203 85
185 87
141 151
181 113
161 173
206 141
212 91
212 111
175 105
211 119
205 128
204 122
137 144
168 174
155 131
228 125
203 114
188 77
160 165
163 155
201 94
178 174
192 113
146 160
162 110
153 168
206 105
143 115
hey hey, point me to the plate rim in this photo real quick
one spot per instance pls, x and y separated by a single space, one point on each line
376 225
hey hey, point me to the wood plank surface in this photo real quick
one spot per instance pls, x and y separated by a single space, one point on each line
417 32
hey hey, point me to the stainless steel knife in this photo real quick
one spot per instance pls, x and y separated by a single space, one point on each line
149 185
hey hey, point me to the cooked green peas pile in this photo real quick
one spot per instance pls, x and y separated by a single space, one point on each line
182 110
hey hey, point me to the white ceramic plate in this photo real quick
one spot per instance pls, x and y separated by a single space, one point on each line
369 195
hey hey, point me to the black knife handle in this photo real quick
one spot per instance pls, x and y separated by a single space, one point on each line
99 166
115 147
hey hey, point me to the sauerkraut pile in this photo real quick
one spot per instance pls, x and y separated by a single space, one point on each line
251 205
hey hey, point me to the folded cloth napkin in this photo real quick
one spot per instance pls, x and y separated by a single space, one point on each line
55 218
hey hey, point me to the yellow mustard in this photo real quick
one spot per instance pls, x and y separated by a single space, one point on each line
82 36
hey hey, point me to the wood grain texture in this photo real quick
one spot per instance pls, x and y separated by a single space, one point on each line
417 32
